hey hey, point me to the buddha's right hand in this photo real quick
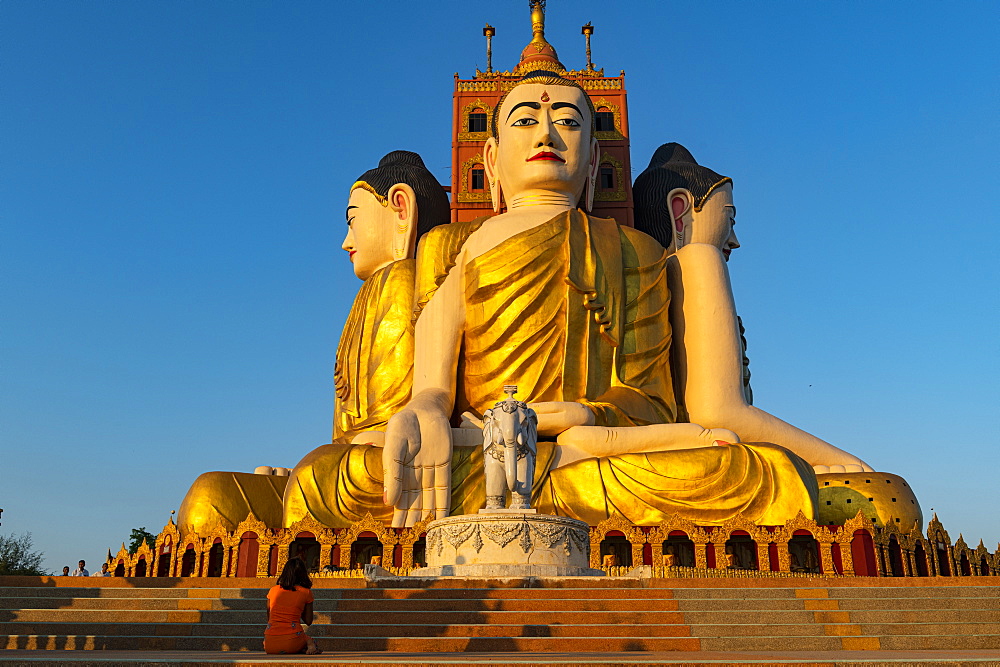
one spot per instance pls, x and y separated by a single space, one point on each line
416 461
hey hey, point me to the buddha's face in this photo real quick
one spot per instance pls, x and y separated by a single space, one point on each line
544 140
714 223
369 233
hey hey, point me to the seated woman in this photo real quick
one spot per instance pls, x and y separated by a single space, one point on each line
288 603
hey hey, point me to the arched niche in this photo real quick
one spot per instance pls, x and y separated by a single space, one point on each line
920 559
616 544
895 558
680 544
965 567
803 552
189 561
306 548
365 547
741 551
216 557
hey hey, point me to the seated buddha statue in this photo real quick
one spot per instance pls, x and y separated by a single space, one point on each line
389 208
574 310
689 210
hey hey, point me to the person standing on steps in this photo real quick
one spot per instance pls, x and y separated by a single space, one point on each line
289 606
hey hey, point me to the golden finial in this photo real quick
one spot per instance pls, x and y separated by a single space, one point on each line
537 20
539 51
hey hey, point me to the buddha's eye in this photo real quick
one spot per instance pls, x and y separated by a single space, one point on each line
522 122
568 122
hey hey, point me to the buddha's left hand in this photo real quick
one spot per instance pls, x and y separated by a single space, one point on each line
554 417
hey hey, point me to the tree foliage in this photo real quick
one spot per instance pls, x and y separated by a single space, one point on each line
17 556
140 535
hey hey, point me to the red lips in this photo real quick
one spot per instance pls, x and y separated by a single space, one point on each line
545 155
350 255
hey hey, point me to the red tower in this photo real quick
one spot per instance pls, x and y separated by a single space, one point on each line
475 98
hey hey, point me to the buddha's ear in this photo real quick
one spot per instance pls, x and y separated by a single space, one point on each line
594 166
490 153
402 201
680 203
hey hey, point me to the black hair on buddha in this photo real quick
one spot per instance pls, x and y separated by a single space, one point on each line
294 574
672 166
547 78
433 208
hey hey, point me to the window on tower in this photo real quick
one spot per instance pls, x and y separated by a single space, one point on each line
607 177
605 120
478 178
477 121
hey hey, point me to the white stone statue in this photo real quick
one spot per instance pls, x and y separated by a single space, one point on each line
510 437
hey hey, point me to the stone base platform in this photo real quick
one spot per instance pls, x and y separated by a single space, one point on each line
497 544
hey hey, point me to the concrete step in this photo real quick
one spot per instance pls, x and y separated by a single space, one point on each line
351 630
329 644
149 604
351 617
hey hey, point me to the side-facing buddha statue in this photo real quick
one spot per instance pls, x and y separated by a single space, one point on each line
689 210
575 311
389 208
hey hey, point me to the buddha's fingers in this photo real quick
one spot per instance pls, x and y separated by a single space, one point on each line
442 489
415 509
393 465
402 442
427 489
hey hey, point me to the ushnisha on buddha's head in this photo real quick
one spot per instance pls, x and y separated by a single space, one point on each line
389 209
543 149
678 201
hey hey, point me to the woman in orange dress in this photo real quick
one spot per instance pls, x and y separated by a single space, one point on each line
289 603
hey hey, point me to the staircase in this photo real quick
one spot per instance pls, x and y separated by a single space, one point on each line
609 615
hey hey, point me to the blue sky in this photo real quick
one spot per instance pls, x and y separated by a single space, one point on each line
172 185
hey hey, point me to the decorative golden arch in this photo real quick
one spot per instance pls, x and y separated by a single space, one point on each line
761 538
409 537
782 535
659 534
623 525
615 134
618 194
368 524
464 195
464 134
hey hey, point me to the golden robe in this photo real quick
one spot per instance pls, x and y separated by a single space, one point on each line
374 369
573 310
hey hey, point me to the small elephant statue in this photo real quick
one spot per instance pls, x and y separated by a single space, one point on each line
510 443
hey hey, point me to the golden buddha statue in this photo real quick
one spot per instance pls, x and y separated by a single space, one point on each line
625 344
574 310
689 210
390 207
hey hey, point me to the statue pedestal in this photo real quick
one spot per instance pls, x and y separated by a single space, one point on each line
507 544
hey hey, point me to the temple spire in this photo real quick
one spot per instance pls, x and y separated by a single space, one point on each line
538 54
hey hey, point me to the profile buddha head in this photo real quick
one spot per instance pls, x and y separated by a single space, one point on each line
543 142
389 209
678 201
